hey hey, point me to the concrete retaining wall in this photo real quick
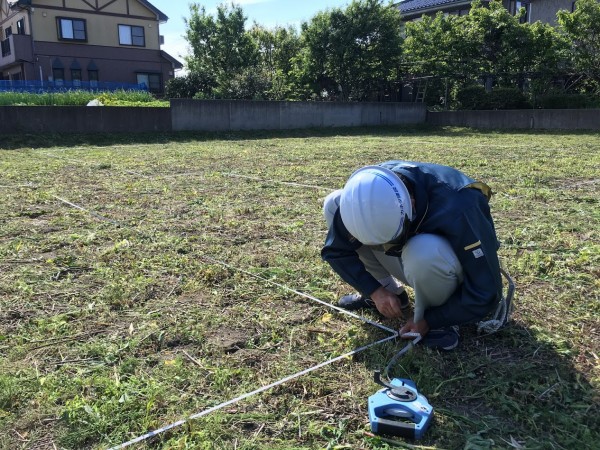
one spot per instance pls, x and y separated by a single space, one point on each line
229 115
538 119
226 115
83 119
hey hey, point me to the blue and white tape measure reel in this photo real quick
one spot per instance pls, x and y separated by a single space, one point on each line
399 409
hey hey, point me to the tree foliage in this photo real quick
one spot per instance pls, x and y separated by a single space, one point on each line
219 44
221 48
435 45
229 61
277 49
351 53
361 52
489 46
582 30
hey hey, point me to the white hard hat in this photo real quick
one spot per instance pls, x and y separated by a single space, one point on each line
375 205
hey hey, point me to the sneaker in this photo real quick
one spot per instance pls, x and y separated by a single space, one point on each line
353 302
442 339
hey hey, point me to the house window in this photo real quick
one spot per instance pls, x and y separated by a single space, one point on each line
151 80
8 32
5 47
526 5
71 29
59 76
76 77
93 77
516 5
21 26
130 35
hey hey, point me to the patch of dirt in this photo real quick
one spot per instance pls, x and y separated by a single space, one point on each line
300 314
11 320
193 299
229 340
33 213
253 357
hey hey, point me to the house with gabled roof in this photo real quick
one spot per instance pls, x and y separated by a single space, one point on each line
84 41
542 10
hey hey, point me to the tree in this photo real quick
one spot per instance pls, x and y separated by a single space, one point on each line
489 45
582 31
221 47
545 56
350 54
434 46
276 49
496 42
192 85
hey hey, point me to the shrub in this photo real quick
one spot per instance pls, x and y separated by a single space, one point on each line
472 97
193 85
476 97
564 101
507 98
80 98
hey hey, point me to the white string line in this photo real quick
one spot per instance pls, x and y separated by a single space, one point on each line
394 335
173 175
96 215
109 148
84 163
29 185
249 394
288 183
62 158
302 294
237 175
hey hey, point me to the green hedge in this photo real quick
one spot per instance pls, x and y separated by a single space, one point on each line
476 97
80 98
566 101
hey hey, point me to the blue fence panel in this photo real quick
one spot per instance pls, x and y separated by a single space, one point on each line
61 86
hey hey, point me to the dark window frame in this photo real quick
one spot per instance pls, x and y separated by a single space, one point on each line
5 45
21 26
155 86
93 77
60 79
514 7
73 20
136 39
76 74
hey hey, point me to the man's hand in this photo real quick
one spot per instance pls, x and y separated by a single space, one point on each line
387 303
421 327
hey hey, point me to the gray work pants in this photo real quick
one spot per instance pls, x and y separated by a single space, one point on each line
428 265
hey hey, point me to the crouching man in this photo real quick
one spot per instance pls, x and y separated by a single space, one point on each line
422 225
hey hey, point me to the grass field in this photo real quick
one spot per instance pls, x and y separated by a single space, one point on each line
148 278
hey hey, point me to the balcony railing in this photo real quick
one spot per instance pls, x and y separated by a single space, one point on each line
16 47
61 85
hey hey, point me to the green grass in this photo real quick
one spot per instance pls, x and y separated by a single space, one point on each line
119 320
81 98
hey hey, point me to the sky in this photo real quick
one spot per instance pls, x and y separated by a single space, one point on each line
268 13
